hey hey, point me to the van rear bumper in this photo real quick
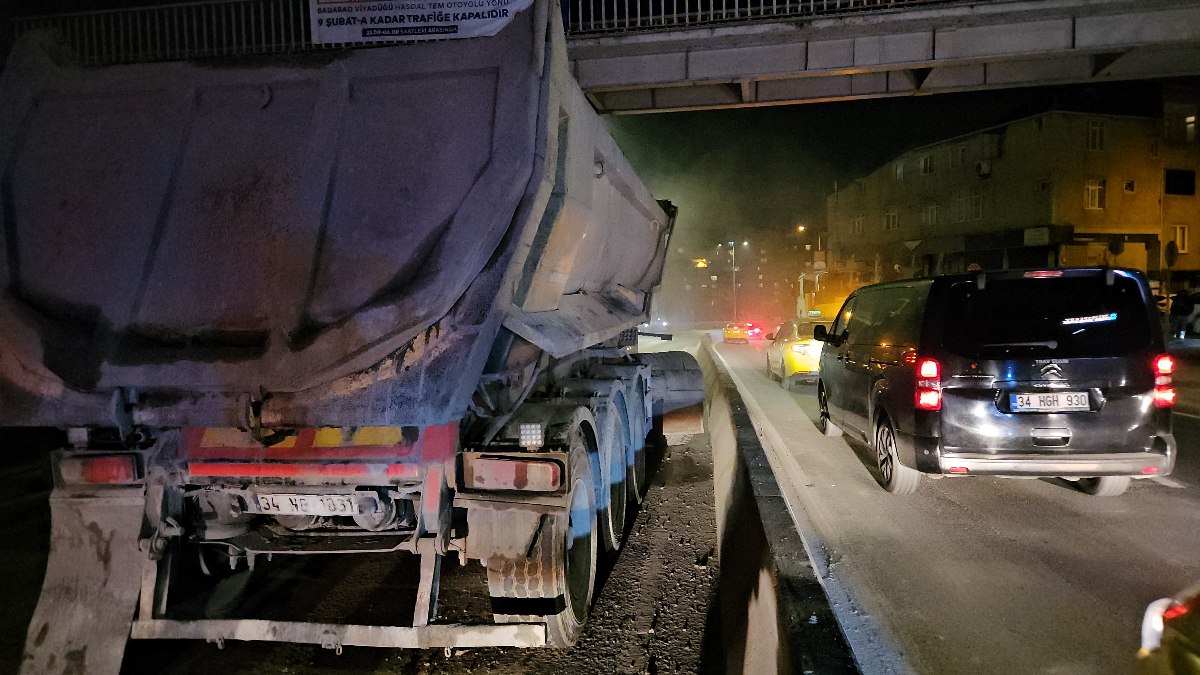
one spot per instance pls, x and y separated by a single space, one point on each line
927 455
1144 464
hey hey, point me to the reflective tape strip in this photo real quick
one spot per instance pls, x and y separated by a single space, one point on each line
297 469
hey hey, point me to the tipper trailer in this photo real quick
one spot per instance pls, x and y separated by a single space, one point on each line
351 300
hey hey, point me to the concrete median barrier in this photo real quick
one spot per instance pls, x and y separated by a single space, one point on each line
775 616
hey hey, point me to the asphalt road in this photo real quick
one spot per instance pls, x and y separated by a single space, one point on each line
979 574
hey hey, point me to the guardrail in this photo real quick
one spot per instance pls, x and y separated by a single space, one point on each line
211 28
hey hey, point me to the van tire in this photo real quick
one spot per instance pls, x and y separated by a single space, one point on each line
1104 486
827 427
893 476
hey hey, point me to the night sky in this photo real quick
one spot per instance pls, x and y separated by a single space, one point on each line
735 172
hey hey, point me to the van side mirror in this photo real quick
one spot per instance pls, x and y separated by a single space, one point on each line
770 336
819 333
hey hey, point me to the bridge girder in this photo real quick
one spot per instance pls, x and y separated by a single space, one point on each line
906 52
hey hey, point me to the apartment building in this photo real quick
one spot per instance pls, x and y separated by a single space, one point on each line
1055 189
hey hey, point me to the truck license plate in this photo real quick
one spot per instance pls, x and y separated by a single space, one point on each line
1055 401
307 505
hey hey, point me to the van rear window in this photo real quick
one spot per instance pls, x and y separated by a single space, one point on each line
1061 317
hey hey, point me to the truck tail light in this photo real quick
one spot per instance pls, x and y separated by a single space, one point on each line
929 385
1164 389
103 469
504 473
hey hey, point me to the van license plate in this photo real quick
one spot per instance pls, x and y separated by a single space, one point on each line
307 505
1055 401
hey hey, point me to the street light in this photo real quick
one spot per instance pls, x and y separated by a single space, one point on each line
733 261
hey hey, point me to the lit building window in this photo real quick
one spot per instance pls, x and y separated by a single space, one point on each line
1093 194
1095 135
1181 238
926 164
891 220
899 170
1189 128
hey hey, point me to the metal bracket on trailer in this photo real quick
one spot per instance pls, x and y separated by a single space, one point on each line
421 635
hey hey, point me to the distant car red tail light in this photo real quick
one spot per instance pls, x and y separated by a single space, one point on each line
1164 389
929 385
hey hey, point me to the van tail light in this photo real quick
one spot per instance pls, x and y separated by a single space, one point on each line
1164 389
929 385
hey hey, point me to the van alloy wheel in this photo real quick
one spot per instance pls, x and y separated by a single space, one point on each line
894 476
827 426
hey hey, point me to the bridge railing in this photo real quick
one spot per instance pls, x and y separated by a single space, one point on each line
232 27
598 17
180 32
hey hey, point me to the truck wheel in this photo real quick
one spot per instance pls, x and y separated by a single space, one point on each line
638 480
827 427
894 476
612 517
1104 486
554 583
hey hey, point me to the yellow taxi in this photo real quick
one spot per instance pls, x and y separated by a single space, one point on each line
793 354
736 332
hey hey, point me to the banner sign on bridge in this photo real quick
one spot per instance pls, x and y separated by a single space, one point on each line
356 21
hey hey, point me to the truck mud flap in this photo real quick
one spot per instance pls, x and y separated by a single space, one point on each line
680 425
93 574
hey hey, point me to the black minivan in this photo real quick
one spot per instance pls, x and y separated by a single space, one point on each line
1057 372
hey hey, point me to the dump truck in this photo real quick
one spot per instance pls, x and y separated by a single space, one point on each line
322 300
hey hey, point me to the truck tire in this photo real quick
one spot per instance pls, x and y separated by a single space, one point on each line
554 583
655 441
614 493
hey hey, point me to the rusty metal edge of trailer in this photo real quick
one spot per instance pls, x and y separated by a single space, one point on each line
336 636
